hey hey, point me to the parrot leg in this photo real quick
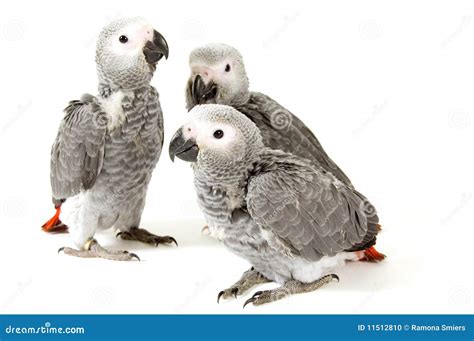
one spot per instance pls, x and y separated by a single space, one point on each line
249 279
92 249
289 288
144 236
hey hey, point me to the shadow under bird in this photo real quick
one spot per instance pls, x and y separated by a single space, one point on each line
108 145
293 221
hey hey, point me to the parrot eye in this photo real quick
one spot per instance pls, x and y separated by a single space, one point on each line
218 134
227 68
123 39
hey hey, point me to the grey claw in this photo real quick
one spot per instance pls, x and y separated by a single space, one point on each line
61 249
118 234
234 291
165 240
134 256
334 276
219 296
250 300
258 293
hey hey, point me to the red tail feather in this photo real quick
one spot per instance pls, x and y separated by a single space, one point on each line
54 224
372 255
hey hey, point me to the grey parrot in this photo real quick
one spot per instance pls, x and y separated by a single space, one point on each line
108 145
294 221
218 76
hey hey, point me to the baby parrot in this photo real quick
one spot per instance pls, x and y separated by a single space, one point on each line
108 145
291 219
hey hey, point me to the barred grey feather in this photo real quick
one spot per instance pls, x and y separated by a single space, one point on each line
292 137
287 216
307 208
78 152
232 88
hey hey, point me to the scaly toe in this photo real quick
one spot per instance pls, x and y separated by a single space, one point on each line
228 293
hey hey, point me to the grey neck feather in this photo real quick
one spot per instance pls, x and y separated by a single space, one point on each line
230 175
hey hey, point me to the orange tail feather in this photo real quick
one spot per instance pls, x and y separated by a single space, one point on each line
372 255
54 224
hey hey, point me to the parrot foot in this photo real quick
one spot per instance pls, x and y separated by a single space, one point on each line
249 279
289 288
144 236
92 249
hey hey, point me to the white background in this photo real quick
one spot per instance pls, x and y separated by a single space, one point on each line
386 86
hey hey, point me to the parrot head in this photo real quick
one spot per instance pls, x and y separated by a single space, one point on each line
217 76
128 50
218 139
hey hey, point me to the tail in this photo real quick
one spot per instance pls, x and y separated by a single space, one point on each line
370 255
54 225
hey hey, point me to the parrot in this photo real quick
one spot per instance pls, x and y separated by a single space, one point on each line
108 145
218 76
292 220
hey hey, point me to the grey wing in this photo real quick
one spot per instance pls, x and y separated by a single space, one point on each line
154 109
309 216
78 152
283 130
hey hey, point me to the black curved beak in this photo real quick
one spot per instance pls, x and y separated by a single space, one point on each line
156 49
186 150
201 92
